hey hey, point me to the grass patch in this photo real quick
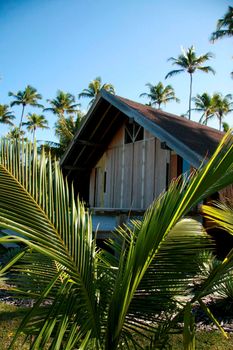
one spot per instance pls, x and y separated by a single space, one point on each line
206 340
10 317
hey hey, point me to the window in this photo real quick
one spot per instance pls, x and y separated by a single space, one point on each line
105 181
133 132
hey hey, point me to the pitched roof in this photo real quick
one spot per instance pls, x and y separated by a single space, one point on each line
202 139
189 139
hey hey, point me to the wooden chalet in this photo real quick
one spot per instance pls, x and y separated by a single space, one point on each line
125 154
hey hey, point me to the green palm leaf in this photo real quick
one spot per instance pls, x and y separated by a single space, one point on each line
160 94
94 296
224 26
36 203
94 88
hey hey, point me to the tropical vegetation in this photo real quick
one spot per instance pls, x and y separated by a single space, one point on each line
160 94
189 62
67 109
94 88
155 272
216 105
29 96
203 104
12 315
63 104
35 121
6 116
15 133
224 26
87 297
91 298
65 128
223 105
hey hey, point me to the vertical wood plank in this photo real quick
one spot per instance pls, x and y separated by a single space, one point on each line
160 171
122 175
143 174
137 175
149 185
128 175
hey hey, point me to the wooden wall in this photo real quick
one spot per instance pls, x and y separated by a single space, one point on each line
130 175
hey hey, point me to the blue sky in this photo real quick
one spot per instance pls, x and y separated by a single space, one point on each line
64 44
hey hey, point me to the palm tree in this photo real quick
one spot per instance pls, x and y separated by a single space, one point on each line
211 106
204 104
65 128
6 116
63 103
94 88
222 105
100 300
15 134
34 122
189 62
224 26
29 97
160 94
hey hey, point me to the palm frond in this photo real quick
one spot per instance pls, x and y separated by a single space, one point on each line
206 69
174 72
93 294
221 214
36 202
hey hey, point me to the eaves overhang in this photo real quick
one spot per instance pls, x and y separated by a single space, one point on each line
85 122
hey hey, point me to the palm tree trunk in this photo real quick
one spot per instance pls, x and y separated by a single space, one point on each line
21 119
206 118
34 135
220 122
190 94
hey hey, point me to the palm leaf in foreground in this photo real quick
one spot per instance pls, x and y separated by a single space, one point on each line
166 284
36 202
222 216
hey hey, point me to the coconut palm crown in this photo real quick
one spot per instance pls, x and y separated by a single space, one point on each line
29 96
6 116
160 94
203 104
35 121
63 103
222 105
94 88
216 105
189 62
224 26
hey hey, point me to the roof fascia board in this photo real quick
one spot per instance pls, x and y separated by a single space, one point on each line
192 157
85 121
